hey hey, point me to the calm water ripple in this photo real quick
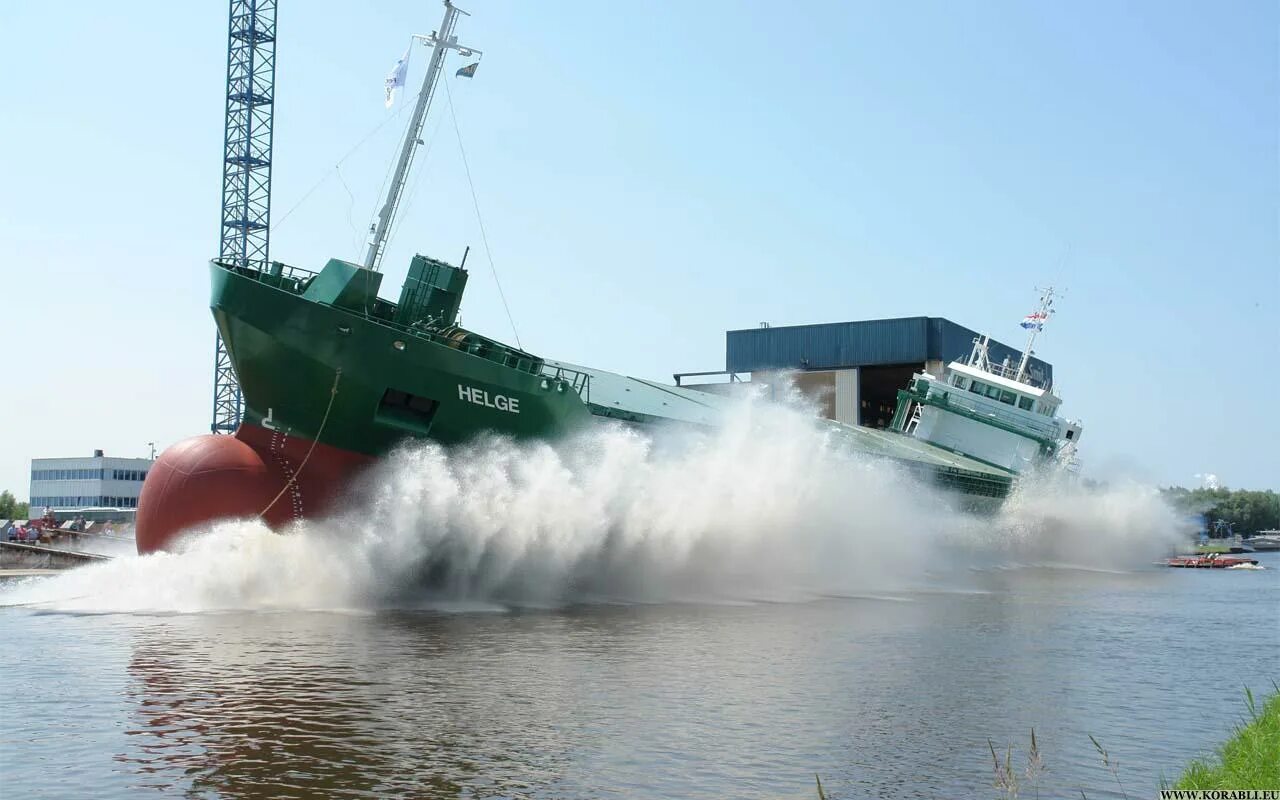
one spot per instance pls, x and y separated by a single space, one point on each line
883 697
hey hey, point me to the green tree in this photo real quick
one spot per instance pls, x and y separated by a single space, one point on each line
1247 511
11 507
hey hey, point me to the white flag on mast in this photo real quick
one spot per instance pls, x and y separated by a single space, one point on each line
395 79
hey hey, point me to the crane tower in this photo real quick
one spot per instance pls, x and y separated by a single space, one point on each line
246 169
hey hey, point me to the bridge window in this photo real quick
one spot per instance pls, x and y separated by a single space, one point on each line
1025 403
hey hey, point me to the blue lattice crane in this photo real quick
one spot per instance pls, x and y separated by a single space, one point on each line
246 169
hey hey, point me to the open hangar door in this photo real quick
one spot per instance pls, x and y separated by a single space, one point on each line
878 391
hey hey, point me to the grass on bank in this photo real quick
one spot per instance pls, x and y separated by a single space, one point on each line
1249 760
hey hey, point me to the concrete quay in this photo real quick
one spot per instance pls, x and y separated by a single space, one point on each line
18 556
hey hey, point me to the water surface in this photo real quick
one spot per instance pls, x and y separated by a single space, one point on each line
892 695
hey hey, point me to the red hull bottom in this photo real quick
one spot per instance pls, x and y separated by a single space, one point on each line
255 473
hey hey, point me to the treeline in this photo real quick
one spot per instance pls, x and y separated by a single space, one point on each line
11 508
1247 511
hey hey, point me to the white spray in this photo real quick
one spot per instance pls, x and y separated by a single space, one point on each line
764 508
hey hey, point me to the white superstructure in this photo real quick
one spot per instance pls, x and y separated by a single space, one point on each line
992 412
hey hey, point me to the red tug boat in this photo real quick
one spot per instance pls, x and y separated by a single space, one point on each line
1210 561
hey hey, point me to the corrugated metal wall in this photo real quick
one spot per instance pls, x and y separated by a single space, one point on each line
846 406
829 346
840 345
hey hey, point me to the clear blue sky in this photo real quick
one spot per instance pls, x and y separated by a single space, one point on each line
651 176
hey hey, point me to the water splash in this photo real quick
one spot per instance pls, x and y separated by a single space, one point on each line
1056 519
764 508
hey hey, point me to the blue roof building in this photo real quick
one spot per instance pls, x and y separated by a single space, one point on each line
854 370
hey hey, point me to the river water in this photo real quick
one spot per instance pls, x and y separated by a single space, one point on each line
886 696
725 615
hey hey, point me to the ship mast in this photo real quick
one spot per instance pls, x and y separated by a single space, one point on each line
441 40
1041 315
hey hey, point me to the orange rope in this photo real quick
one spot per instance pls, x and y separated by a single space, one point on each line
293 479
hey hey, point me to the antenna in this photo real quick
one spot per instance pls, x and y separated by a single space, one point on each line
442 40
1035 322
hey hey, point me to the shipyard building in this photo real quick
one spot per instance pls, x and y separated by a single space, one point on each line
69 485
851 370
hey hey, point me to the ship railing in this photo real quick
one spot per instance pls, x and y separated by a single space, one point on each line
296 280
580 381
273 273
1002 370
1010 372
469 343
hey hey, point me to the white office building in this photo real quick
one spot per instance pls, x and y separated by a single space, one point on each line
75 484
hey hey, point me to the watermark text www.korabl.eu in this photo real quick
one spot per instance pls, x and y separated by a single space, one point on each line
1220 794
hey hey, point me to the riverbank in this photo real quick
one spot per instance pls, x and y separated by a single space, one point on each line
1249 760
16 555
14 574
1206 549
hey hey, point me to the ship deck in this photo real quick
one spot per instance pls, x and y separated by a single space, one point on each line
621 397
618 396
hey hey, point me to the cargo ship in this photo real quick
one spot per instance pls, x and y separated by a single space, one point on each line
333 376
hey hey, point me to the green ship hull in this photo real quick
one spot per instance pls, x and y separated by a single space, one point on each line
334 377
321 357
293 335
393 381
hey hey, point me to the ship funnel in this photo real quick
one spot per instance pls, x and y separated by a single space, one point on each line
431 293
